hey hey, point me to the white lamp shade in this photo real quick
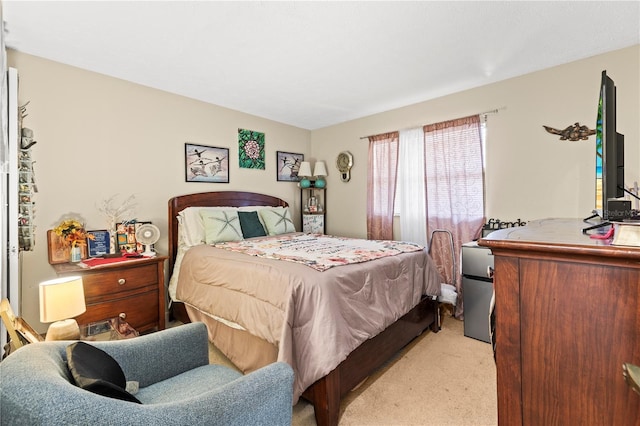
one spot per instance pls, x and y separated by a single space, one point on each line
305 169
61 298
320 169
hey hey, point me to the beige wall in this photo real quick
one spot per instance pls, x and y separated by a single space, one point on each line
99 136
530 173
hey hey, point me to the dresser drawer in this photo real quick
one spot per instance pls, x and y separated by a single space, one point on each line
108 283
135 288
141 310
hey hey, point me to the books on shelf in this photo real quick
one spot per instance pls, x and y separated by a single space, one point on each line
626 234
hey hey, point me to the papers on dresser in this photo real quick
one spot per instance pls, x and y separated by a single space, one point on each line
626 234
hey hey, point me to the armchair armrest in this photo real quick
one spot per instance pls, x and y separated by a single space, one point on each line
157 356
262 397
271 401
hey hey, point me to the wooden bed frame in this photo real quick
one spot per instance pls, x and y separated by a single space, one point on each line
326 393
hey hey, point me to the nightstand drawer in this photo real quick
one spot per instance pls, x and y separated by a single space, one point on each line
125 279
135 288
141 310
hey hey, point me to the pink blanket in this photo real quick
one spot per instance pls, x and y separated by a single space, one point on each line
319 252
314 318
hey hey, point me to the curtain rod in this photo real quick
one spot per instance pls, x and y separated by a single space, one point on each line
493 111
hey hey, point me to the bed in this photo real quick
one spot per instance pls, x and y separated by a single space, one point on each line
292 312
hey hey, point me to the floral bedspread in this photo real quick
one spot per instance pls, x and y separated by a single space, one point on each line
318 251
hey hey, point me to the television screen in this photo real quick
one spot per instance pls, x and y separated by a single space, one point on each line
599 154
609 150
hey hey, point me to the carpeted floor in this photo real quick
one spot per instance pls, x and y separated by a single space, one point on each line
439 379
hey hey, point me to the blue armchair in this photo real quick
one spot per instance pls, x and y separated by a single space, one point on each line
177 384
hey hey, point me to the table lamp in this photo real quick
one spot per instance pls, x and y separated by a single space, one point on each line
304 172
320 171
62 299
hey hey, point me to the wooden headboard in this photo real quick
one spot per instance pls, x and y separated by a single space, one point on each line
211 199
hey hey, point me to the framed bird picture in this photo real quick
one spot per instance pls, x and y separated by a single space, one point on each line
204 163
288 165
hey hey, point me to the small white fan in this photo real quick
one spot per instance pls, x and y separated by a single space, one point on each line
148 234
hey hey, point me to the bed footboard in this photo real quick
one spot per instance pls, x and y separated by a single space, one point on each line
326 393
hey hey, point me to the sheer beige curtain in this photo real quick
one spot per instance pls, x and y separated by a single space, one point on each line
455 189
381 185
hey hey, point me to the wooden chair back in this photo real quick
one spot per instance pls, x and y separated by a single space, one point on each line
20 333
8 319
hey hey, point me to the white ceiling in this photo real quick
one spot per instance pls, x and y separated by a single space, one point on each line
313 64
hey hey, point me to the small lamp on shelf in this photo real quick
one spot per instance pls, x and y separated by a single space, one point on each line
320 171
304 172
61 299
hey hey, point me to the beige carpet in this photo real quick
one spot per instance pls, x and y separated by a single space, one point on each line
440 378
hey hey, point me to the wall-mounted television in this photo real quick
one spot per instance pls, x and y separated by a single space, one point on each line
609 153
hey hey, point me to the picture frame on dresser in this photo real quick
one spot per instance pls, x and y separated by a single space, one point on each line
58 251
100 244
125 239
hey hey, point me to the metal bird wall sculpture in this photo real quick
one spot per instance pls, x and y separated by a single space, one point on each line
575 132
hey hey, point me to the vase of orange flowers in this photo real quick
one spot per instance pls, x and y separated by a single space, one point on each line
76 254
74 236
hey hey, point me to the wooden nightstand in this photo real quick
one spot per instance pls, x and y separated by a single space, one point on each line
135 288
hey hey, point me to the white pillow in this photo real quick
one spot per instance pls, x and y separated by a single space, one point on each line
173 281
221 226
192 226
253 208
277 220
191 229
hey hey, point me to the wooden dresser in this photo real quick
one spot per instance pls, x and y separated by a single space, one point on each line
135 288
567 318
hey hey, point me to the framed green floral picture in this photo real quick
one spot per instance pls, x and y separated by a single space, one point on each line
250 149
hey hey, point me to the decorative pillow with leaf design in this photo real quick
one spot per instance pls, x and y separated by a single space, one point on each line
221 226
277 220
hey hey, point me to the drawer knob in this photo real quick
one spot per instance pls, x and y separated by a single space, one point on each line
121 281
